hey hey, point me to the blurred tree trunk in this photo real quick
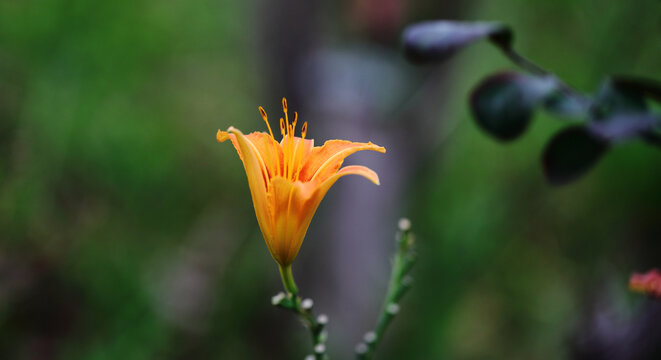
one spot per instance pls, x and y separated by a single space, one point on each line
359 91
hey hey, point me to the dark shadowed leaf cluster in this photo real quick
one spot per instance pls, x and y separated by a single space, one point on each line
503 104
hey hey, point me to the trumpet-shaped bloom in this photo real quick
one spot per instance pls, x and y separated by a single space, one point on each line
288 179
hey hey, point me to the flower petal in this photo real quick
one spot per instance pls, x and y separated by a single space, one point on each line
293 208
326 160
257 179
363 171
268 149
294 205
295 151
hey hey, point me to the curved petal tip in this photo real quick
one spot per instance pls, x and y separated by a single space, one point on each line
222 136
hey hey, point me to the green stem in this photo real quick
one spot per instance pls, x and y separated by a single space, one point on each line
288 279
303 308
398 285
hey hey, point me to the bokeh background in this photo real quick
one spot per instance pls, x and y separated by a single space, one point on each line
127 231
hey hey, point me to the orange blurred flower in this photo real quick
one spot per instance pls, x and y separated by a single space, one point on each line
648 283
288 179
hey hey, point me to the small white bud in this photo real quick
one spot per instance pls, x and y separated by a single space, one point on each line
361 348
370 337
322 319
404 224
276 299
320 348
392 309
307 304
309 357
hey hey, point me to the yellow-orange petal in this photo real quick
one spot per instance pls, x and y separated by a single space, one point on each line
268 149
293 208
222 136
257 181
326 160
363 171
299 150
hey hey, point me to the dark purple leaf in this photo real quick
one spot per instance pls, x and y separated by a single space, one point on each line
503 104
438 40
570 154
624 126
612 100
646 87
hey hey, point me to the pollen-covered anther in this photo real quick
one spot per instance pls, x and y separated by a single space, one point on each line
304 129
282 127
266 120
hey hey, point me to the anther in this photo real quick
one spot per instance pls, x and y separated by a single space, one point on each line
284 108
293 126
282 127
261 111
304 129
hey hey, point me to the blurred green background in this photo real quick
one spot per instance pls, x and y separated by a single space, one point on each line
127 231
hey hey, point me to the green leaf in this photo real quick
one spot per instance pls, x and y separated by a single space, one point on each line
570 154
503 104
435 41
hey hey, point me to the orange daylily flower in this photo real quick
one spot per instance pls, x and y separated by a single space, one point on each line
288 179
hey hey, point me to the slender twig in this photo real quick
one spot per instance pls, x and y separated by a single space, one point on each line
303 308
400 283
526 64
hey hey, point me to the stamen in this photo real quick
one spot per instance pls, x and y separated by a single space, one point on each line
285 146
292 159
293 127
304 129
284 108
275 150
266 120
299 166
299 159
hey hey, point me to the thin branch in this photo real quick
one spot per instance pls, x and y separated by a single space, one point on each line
303 308
400 283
